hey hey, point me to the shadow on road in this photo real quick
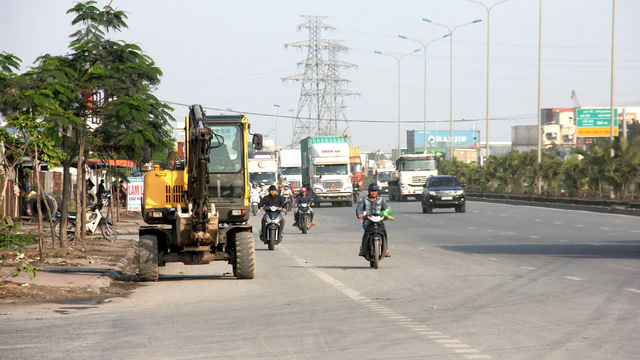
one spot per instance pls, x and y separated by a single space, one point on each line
335 267
196 277
626 249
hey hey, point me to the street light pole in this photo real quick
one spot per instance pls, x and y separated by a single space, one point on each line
398 58
451 30
276 105
488 9
424 46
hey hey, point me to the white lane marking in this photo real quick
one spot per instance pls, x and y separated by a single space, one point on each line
528 267
573 278
634 290
470 227
381 309
477 357
563 241
605 228
558 223
537 220
503 214
448 341
634 231
494 259
534 237
578 225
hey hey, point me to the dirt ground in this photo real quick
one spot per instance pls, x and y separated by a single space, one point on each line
94 254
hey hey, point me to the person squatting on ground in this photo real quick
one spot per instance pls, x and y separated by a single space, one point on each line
303 198
271 199
372 204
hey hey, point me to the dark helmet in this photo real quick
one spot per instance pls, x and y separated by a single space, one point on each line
272 187
374 187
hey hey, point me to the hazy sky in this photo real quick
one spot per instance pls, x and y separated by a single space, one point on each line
230 54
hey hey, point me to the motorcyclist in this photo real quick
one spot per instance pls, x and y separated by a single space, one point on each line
272 199
303 198
255 191
371 204
286 193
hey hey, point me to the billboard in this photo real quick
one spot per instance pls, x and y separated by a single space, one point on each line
440 139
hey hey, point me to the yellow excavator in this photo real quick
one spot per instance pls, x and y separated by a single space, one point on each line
197 212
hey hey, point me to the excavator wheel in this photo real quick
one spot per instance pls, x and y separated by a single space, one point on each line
148 260
244 264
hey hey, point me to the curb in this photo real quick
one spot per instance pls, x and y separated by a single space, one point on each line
591 208
107 277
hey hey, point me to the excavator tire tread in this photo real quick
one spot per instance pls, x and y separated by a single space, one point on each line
148 258
245 262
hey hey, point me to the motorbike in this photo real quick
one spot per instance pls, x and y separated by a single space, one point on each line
271 234
254 201
105 198
95 221
375 245
304 217
287 204
356 192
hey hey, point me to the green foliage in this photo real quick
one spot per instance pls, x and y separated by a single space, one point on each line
584 172
26 267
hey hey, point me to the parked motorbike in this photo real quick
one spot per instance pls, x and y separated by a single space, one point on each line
95 221
375 245
304 217
271 234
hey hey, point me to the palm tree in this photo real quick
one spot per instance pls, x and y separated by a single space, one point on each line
626 164
573 175
597 166
551 170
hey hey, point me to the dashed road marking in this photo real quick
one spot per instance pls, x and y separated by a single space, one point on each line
563 241
446 341
558 223
537 220
528 267
605 228
578 225
634 290
534 237
573 278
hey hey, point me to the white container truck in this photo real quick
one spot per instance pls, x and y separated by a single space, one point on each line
325 169
290 168
413 171
263 171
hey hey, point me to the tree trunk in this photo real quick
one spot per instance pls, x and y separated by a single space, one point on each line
39 201
81 191
66 192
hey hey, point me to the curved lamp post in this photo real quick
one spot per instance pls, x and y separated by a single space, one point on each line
451 31
398 58
424 46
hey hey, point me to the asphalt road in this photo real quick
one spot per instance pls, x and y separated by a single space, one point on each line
499 281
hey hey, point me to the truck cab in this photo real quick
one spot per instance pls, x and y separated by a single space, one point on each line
413 170
325 169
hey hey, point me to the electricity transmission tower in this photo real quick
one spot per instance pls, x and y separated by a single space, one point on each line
322 89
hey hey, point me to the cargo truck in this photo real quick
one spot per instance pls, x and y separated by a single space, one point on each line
289 168
325 169
263 171
413 171
355 162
